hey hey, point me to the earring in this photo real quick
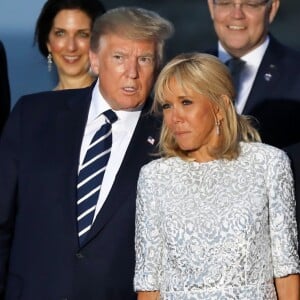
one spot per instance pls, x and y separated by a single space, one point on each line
50 62
218 127
91 72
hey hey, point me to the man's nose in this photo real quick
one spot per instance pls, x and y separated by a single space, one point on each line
237 10
132 68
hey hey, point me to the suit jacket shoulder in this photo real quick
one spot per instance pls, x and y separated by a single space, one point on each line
274 99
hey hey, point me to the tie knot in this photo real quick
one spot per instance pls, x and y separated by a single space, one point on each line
235 65
110 116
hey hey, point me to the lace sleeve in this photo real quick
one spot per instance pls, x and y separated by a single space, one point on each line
148 241
283 226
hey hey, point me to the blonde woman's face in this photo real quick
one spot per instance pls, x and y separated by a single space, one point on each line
69 42
191 119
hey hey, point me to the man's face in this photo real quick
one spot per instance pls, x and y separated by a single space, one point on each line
242 28
126 69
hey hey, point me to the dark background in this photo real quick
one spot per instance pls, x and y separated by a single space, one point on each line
193 26
28 72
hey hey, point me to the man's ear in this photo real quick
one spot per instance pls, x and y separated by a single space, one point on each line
273 10
94 60
211 8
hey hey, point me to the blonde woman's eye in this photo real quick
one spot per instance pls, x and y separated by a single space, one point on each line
165 105
187 102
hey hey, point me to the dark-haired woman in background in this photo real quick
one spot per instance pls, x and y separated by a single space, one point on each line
63 36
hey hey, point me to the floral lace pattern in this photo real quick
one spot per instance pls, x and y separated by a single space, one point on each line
216 230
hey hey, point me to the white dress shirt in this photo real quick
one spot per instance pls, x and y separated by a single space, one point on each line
253 60
122 131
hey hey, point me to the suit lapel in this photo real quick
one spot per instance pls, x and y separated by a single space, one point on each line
70 125
267 78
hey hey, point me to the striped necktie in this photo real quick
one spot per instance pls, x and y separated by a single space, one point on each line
91 174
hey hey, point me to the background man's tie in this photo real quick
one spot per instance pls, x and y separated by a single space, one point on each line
91 174
236 66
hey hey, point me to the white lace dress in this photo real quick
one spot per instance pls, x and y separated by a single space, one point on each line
216 230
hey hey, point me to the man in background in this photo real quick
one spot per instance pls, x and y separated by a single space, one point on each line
266 72
4 88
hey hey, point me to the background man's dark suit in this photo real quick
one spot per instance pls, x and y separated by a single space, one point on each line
274 99
45 260
275 96
4 88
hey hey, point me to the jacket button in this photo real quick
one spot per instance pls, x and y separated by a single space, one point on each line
79 255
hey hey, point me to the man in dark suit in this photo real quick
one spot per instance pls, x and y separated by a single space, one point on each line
4 88
269 82
47 136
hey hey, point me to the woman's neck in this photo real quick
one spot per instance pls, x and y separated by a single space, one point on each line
74 82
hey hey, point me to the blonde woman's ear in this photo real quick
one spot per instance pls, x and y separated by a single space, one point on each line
226 100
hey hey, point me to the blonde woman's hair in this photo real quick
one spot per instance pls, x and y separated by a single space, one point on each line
206 75
133 23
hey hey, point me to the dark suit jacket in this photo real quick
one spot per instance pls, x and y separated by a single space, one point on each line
274 99
39 253
4 88
294 153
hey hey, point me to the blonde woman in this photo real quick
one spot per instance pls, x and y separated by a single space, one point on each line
215 215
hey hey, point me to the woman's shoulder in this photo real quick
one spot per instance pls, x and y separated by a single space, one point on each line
161 165
257 149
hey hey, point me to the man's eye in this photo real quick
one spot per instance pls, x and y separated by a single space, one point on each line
146 60
117 57
223 2
252 4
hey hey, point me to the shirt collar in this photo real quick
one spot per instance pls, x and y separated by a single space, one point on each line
253 58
